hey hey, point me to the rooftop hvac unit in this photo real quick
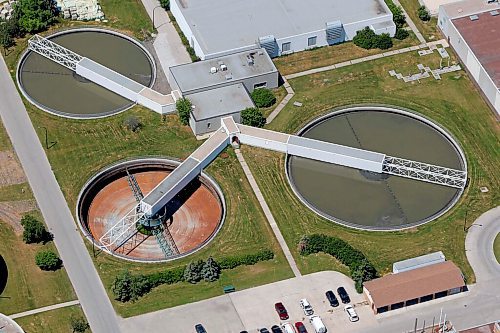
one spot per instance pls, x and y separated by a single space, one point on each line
474 17
213 70
494 12
223 67
229 77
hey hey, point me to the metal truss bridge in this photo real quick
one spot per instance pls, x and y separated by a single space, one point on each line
54 52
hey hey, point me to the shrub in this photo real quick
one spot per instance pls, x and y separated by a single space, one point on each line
401 34
35 15
127 287
165 4
211 270
423 13
383 42
365 38
184 107
263 97
398 17
132 123
361 269
252 117
192 273
47 261
34 230
249 259
170 276
79 325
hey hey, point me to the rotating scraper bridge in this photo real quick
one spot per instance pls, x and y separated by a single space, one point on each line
150 205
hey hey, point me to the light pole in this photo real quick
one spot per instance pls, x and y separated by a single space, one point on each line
159 6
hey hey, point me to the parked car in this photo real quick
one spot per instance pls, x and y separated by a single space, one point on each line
288 328
317 324
280 309
276 329
264 330
306 307
199 328
330 296
353 316
344 296
299 326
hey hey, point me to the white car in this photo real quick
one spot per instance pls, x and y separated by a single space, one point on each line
306 307
288 328
353 316
317 323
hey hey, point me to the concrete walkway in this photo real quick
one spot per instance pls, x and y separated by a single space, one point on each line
80 268
44 309
410 23
267 212
168 45
283 103
442 42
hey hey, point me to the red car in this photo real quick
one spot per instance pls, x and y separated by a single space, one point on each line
300 327
280 308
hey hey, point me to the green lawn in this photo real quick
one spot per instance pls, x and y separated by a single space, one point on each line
55 321
453 102
4 139
329 55
428 29
129 16
496 248
28 287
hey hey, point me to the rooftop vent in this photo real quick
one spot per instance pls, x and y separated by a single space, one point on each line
474 17
229 77
223 67
494 12
213 70
250 60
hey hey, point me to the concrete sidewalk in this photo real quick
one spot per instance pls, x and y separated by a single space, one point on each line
44 309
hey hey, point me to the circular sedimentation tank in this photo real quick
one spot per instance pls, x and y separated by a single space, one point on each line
372 201
60 91
193 217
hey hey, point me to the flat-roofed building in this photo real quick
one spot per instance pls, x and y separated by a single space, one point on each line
472 28
220 27
415 286
417 262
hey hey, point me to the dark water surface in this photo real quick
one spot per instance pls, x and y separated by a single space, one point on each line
58 89
375 201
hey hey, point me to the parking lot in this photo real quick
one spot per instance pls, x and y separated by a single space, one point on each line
254 308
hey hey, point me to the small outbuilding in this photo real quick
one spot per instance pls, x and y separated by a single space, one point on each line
415 286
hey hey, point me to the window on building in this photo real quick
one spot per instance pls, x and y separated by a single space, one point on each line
285 47
260 85
311 41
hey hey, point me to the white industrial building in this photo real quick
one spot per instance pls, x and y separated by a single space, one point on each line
220 27
473 29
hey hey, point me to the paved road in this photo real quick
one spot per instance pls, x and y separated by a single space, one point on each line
167 44
81 271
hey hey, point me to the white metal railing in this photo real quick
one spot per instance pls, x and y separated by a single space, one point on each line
121 231
424 172
54 52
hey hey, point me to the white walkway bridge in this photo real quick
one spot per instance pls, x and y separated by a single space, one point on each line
229 132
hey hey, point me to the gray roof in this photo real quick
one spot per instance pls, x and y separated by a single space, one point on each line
168 183
417 262
197 75
220 101
111 75
336 149
221 25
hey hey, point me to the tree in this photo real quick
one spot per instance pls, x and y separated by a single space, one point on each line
35 15
401 34
165 4
192 273
47 260
361 273
6 39
383 41
79 325
423 13
252 117
210 270
184 107
132 123
34 230
127 287
263 97
365 38
398 17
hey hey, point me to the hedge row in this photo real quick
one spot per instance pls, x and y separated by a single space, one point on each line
247 260
184 40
